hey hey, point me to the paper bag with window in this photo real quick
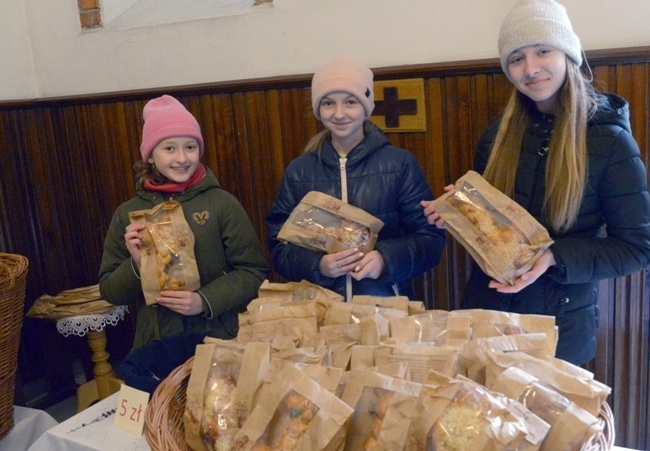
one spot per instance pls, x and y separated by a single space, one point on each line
324 223
167 261
502 237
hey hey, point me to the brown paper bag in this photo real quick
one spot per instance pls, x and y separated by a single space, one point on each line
324 223
459 414
225 377
383 407
586 393
571 426
502 237
293 411
167 261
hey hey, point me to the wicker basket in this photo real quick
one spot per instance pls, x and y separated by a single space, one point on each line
164 428
13 275
163 421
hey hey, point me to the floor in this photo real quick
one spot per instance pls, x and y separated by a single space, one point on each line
64 409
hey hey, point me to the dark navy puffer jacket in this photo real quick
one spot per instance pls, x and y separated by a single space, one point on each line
383 180
610 239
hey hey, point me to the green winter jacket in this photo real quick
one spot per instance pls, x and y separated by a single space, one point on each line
228 253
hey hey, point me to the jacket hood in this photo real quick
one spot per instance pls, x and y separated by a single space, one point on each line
613 110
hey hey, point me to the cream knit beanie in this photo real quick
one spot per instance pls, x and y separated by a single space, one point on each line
343 74
533 22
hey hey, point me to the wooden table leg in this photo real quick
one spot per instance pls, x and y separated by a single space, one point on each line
98 388
102 369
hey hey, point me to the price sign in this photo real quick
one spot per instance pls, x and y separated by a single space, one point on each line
131 406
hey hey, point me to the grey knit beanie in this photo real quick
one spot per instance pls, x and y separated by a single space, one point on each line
533 22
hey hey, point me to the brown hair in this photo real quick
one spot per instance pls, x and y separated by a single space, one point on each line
145 170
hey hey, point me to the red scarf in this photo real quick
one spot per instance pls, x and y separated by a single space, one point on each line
173 187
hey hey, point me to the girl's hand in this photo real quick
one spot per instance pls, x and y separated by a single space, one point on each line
335 265
371 266
540 267
186 303
133 241
432 215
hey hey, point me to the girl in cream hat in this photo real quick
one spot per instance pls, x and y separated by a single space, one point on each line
353 160
566 153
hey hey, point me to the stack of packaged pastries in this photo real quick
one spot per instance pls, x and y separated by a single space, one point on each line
309 371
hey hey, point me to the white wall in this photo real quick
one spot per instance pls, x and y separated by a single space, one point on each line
17 74
289 37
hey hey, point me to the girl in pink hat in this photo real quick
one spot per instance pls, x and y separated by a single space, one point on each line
566 153
353 160
230 275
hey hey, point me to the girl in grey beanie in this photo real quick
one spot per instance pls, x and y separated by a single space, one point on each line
565 152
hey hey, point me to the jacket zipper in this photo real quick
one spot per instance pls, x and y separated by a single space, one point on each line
344 198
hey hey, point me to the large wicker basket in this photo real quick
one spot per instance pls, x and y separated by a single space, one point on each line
164 427
163 423
13 275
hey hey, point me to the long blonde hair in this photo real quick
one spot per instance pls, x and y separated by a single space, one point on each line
567 155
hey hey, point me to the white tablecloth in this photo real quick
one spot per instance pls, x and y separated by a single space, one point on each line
29 425
91 429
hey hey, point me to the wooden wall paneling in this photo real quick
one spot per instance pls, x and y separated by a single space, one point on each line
631 380
260 141
602 366
83 128
640 102
292 132
226 139
639 352
415 142
250 126
434 168
42 244
459 145
310 124
209 131
644 400
267 167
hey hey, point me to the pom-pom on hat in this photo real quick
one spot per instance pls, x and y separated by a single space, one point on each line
533 22
165 117
343 74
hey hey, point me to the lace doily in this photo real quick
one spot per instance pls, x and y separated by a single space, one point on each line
81 324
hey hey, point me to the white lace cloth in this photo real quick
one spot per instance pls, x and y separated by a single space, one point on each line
81 324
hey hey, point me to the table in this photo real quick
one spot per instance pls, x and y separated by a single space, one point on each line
29 425
91 429
93 325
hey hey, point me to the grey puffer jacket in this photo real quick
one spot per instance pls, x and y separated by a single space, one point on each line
616 201
383 180
228 253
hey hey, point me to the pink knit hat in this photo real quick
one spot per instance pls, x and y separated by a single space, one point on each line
343 74
165 117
